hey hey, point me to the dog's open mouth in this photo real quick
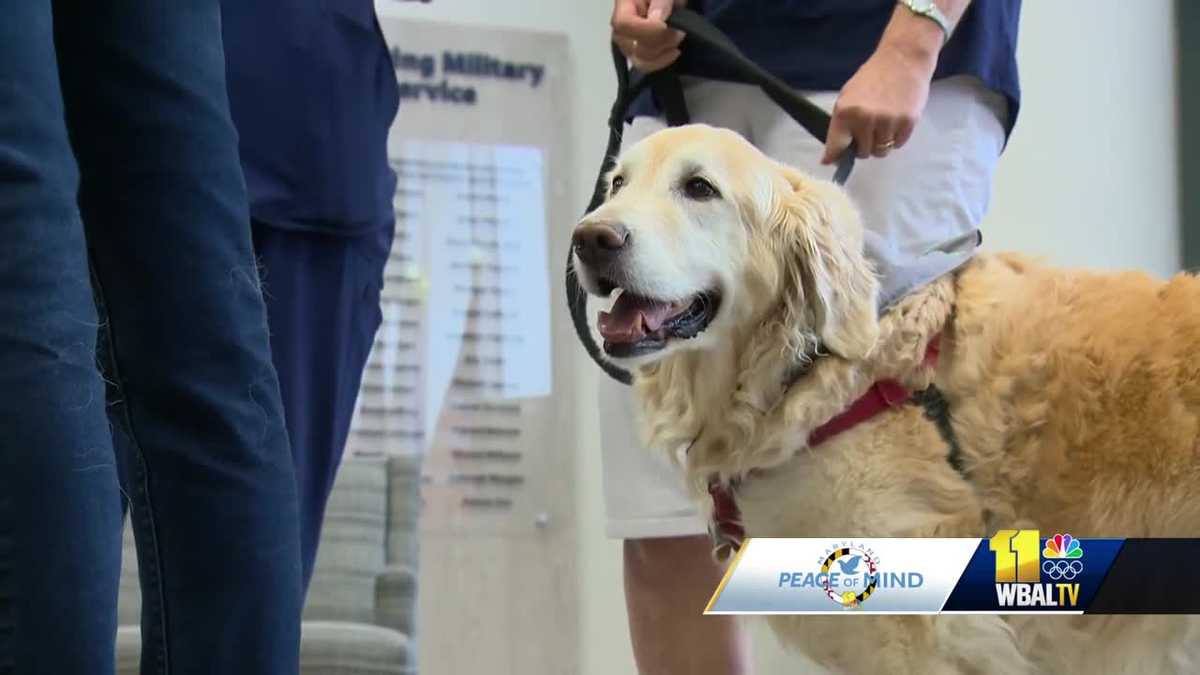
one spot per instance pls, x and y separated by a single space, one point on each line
638 325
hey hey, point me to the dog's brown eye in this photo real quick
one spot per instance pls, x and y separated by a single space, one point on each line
700 189
617 183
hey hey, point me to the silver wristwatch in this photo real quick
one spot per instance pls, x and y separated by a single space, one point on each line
929 10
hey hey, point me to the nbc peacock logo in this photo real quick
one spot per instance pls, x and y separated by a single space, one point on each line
1062 558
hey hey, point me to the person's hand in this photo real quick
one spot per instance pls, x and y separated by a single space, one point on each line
640 30
881 104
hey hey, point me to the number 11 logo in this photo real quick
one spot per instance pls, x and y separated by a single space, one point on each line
1018 556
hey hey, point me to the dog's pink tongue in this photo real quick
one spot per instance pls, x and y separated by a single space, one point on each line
632 317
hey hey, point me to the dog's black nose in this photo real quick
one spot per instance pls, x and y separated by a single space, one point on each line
599 243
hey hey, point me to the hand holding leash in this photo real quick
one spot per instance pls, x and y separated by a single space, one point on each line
878 108
880 105
640 30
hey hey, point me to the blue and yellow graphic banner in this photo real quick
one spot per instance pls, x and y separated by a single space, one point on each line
1017 570
1013 572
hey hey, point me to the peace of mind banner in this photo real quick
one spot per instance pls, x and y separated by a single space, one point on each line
1014 572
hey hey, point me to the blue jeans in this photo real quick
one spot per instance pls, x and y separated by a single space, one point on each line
134 352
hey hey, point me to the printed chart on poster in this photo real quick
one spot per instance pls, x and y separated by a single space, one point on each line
461 371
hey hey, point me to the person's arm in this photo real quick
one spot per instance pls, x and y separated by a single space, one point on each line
881 104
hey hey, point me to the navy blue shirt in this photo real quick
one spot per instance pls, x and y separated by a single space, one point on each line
313 94
819 44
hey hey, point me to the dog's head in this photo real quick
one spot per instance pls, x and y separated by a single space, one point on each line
705 241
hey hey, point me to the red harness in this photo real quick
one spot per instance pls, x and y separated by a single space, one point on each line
726 528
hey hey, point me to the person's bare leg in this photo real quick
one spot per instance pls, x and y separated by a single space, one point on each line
668 582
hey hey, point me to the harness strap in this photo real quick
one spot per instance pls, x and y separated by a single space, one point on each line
937 410
883 395
725 527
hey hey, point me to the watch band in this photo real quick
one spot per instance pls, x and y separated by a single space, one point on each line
929 10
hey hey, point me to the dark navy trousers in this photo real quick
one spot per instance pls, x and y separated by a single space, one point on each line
323 302
134 353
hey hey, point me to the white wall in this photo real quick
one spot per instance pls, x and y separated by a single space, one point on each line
1090 175
1089 178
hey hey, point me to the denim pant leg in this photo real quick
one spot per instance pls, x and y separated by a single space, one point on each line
60 519
213 495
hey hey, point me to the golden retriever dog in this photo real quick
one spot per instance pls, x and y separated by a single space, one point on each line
748 313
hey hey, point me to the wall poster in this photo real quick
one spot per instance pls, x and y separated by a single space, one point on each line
462 367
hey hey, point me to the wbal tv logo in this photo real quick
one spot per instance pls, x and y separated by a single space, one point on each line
1022 564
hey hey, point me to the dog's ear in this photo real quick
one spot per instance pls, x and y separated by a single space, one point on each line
828 284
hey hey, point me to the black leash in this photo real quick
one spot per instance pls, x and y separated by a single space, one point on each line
668 90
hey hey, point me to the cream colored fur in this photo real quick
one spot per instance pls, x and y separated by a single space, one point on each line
1075 396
